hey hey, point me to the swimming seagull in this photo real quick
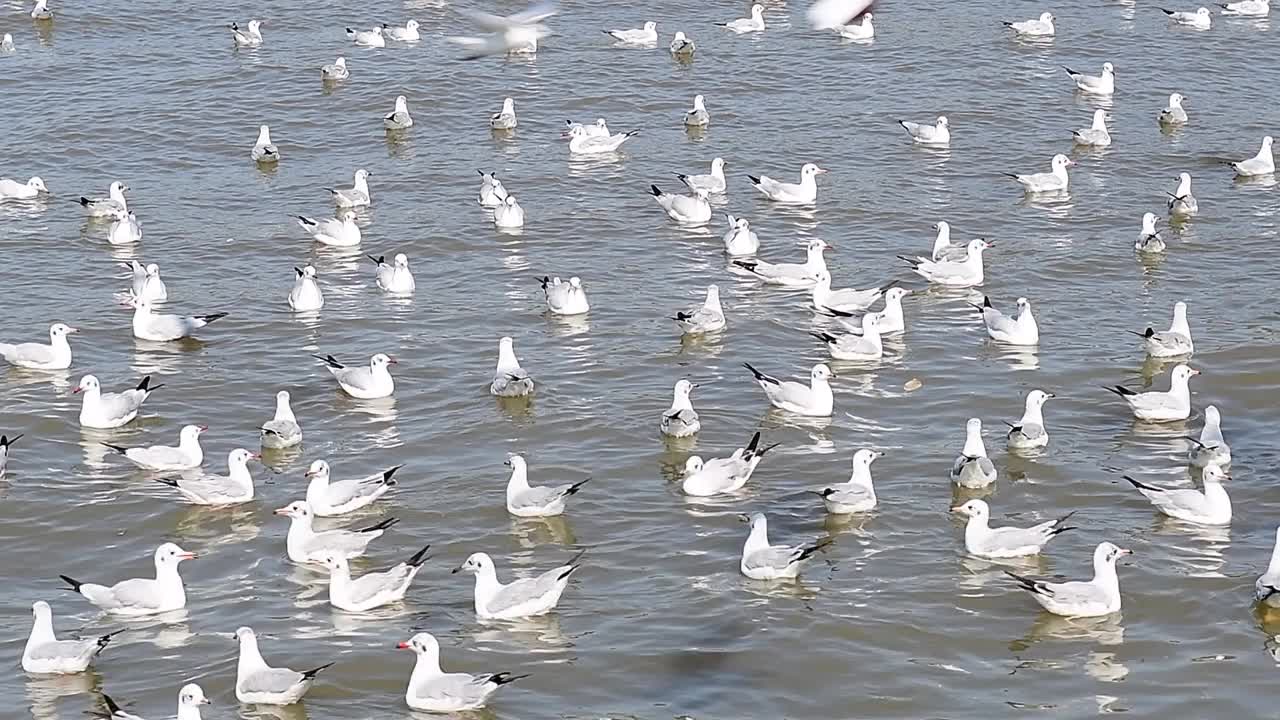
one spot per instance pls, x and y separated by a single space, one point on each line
517 34
1016 330
984 541
1261 164
827 14
1266 589
111 410
939 133
506 119
863 346
45 654
647 35
681 47
797 275
264 151
336 71
1200 19
953 273
803 193
943 248
1081 598
6 48
684 209
395 278
714 182
247 37
973 469
14 190
1210 507
813 400
719 476
509 214
1212 447
257 683
166 327
599 128
697 116
305 545
141 596
862 30
526 501
680 420
582 142
399 118
889 321
1104 84
1040 27
846 300
1247 8
526 597
755 23
1156 406
110 205
366 383
858 494
762 561
373 589
1182 202
1095 135
187 455
408 33
1174 114
1174 342
740 239
509 379
234 488
1149 241
305 295
355 196
5 442
146 282
564 298
341 231
282 430
367 38
492 193
190 698
704 318
38 356
1056 180
41 11
433 690
1029 432
125 229
334 498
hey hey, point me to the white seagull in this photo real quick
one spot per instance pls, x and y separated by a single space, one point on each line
697 116
187 455
408 33
45 654
1104 84
1056 180
141 596
367 382
335 71
524 500
939 133
889 321
371 590
565 298
692 209
526 597
719 476
681 47
14 190
680 420
367 38
515 34
165 327
1174 113
1020 329
943 248
796 275
305 295
1095 135
1040 27
264 151
846 300
860 31
506 119
762 561
1081 598
740 240
813 400
1261 164
109 206
257 683
755 23
147 283
1247 8
1211 448
1182 202
1029 432
509 379
125 229
492 193
1210 507
1200 18
38 356
647 35
1149 241
705 318
509 214
355 196
394 278
582 142
973 469
1171 343
110 410
305 545
341 231
984 541
190 698
250 36
234 488
41 11
713 182
858 494
331 498
282 430
803 193
1266 589
866 345
399 117
953 273
1156 406
434 690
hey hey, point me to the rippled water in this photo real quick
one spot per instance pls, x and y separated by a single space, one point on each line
893 621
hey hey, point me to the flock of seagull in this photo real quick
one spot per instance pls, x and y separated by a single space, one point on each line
949 264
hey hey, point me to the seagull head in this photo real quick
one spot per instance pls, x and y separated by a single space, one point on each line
422 644
1214 473
972 509
684 388
478 562
864 457
170 554
191 695
693 465
381 361
1107 554
810 170
41 609
318 468
650 26
297 510
1038 398
821 373
37 183
87 383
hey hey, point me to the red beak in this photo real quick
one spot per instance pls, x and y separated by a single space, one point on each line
188 556
76 390
402 646
393 361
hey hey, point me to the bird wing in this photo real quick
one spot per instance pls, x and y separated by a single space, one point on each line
270 680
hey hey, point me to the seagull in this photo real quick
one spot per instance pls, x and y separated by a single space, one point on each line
45 654
408 33
720 476
265 151
516 34
889 321
973 469
845 300
803 193
305 296
1104 84
399 118
863 30
509 214
247 37
939 133
1056 180
337 71
6 48
125 229
305 545
329 498
981 540
684 209
1261 164
190 698
371 590
1174 114
110 205
492 193
1155 406
526 501
682 47
282 431
826 14
41 11
506 119
509 379
257 683
1174 342
526 597
581 142
858 494
5 442
396 278
433 690
1201 19
1210 507
355 196
147 283
1182 202
1081 598
953 273
164 327
234 488
680 420
755 23
705 318
597 129
797 275
1266 589
1212 447
1247 8
739 239
14 190
1095 135
341 231
1040 27
1019 330
813 400
365 383
565 298
1029 432
367 38
1149 241
647 35
865 345
111 410
697 116
141 596
38 356
762 561
712 183
187 455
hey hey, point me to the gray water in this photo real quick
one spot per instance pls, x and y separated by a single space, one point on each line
893 620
